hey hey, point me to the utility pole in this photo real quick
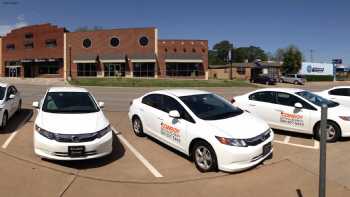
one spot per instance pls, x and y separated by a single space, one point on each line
311 55
230 60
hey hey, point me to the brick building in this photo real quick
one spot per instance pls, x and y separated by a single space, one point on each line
33 51
49 51
243 71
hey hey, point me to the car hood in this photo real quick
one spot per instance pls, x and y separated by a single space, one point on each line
240 127
72 123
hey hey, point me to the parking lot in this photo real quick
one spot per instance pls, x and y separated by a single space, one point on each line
145 167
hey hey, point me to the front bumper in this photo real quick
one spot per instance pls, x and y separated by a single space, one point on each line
51 149
234 159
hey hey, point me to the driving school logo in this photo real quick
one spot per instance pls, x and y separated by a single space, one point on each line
170 132
292 119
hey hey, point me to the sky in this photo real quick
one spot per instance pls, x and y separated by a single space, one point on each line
318 25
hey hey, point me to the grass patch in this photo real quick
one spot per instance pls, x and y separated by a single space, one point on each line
124 82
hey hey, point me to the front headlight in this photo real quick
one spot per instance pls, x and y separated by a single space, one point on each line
346 118
232 142
104 131
45 133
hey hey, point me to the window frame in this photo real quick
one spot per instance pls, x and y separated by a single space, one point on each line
306 104
273 94
183 112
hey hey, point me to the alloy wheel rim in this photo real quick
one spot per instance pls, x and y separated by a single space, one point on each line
330 130
203 157
137 126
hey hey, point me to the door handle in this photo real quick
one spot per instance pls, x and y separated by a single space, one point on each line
278 110
252 105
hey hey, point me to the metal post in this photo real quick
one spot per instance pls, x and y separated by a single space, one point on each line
70 63
231 77
323 142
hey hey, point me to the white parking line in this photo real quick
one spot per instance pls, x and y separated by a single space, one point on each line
286 139
138 155
297 145
9 139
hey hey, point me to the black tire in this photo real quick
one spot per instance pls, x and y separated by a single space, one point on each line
19 108
332 137
4 120
137 126
210 164
296 83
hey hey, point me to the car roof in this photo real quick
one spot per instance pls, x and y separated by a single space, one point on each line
67 89
180 92
288 90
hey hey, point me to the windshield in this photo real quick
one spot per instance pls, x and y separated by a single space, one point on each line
69 102
315 99
210 107
2 92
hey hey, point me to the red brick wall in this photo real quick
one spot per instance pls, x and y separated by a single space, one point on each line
40 34
128 44
182 47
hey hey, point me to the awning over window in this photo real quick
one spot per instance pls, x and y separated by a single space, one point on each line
85 58
112 58
183 58
140 58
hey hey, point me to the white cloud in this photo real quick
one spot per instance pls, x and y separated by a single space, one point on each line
4 29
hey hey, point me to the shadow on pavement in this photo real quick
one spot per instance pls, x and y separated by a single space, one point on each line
17 121
117 153
293 134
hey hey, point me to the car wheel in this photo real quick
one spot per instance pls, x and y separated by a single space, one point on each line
19 108
4 120
204 157
137 126
296 83
332 129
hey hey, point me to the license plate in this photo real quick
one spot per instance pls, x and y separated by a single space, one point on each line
267 148
76 151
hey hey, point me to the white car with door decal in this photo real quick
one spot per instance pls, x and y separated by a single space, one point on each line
10 103
296 110
205 127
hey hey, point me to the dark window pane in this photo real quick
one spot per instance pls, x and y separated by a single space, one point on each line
170 104
153 100
51 43
143 41
114 42
268 97
87 43
340 92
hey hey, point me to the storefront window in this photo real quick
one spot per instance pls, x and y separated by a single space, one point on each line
144 69
114 70
48 68
51 43
87 69
184 69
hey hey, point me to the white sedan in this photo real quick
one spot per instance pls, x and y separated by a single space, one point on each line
204 126
296 110
70 125
339 94
10 102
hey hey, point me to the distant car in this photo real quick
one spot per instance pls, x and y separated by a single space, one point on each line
70 125
339 94
296 110
204 126
263 79
293 78
10 102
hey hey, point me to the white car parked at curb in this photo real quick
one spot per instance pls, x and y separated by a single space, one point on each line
204 126
10 102
339 94
296 110
71 126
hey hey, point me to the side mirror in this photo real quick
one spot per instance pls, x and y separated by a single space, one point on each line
298 105
12 96
35 104
174 114
101 104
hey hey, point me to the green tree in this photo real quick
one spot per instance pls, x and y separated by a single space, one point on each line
221 49
250 53
213 58
292 59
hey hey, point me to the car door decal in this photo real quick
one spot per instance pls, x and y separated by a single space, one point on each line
170 132
292 119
